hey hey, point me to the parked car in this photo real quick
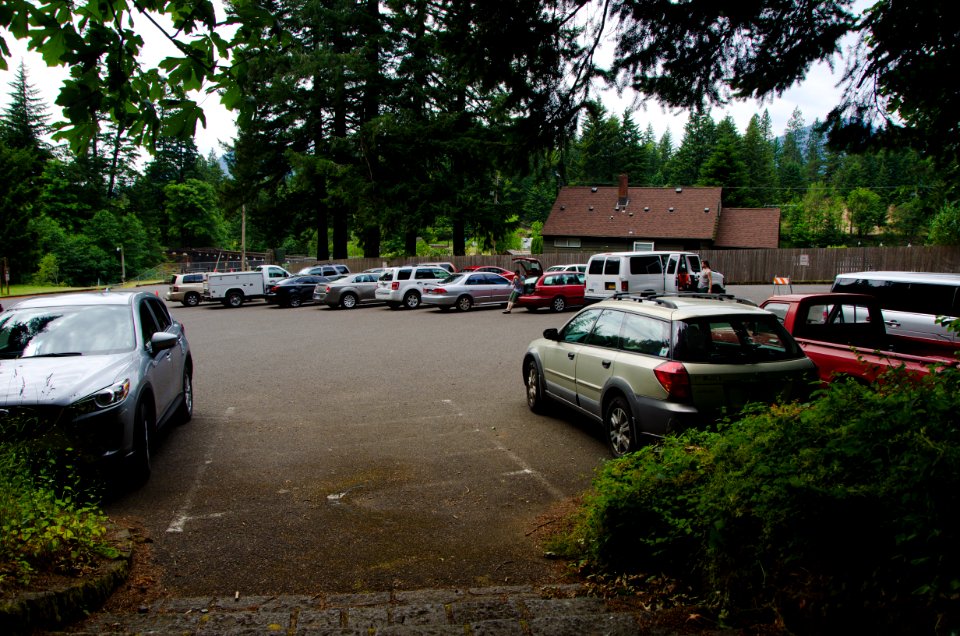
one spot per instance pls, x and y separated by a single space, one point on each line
918 304
556 290
296 290
647 367
573 267
403 286
349 291
465 290
186 289
491 269
332 269
450 267
108 369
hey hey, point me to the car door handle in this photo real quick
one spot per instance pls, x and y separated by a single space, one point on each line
571 355
606 364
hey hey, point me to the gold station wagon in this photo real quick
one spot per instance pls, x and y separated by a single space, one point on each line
645 367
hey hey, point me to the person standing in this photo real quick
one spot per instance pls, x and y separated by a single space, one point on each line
517 290
705 278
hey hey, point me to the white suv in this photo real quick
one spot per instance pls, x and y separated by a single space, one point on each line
646 367
403 286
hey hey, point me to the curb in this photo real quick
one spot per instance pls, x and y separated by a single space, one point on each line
68 602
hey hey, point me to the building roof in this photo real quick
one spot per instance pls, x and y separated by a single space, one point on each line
749 228
686 213
689 213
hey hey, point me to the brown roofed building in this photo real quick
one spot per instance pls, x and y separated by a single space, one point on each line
604 219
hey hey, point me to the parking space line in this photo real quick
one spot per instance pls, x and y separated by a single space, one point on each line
524 468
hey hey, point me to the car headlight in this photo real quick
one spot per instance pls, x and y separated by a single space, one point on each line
104 398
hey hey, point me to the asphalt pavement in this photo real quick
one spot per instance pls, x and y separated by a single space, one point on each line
365 471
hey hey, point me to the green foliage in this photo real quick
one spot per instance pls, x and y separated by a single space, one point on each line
48 272
46 521
837 516
945 227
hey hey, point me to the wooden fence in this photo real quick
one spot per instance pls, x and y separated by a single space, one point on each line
739 267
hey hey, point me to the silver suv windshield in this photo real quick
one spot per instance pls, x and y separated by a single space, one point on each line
64 331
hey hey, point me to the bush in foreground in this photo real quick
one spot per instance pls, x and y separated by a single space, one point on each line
837 516
47 524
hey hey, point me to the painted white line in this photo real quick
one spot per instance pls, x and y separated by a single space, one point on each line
524 468
183 514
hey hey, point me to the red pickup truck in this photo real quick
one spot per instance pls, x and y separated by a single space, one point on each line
844 335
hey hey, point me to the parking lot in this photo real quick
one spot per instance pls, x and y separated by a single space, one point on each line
358 450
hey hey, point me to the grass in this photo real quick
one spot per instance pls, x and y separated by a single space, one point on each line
31 290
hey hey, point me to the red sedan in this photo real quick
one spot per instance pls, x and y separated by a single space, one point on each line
492 269
556 290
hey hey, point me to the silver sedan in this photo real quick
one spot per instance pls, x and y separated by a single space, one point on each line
348 292
466 290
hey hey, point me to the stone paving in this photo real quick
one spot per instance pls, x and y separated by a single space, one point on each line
522 610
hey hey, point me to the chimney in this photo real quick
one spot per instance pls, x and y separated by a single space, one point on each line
622 191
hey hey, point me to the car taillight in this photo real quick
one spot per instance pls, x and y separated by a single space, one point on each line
274 289
673 377
624 286
437 290
327 289
395 285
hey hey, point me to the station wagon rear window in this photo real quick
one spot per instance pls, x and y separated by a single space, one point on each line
734 340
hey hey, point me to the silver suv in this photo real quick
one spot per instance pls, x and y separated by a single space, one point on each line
186 289
646 367
403 286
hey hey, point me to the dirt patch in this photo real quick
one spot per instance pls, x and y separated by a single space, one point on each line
144 584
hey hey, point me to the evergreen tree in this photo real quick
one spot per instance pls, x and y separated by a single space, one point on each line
24 121
725 167
758 157
699 137
790 160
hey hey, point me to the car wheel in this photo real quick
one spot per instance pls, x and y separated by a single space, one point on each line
535 398
348 301
294 301
142 441
618 423
186 407
464 303
411 300
191 300
234 299
558 304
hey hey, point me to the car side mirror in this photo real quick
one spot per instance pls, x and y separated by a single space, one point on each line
162 340
551 334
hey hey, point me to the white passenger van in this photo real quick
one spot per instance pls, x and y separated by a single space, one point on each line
911 301
643 273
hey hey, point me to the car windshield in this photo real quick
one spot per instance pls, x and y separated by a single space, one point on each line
734 339
66 331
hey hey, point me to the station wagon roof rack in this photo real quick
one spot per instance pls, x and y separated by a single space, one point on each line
663 299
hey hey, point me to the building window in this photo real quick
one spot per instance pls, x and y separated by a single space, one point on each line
642 246
567 242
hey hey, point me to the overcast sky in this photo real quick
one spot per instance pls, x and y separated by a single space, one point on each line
815 97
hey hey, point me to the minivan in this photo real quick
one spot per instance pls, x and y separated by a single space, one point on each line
911 301
643 273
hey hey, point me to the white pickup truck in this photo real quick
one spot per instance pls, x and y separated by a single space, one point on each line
233 288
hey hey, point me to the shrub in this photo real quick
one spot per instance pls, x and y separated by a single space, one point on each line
47 523
836 516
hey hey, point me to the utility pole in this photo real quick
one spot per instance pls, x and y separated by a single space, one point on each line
123 266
